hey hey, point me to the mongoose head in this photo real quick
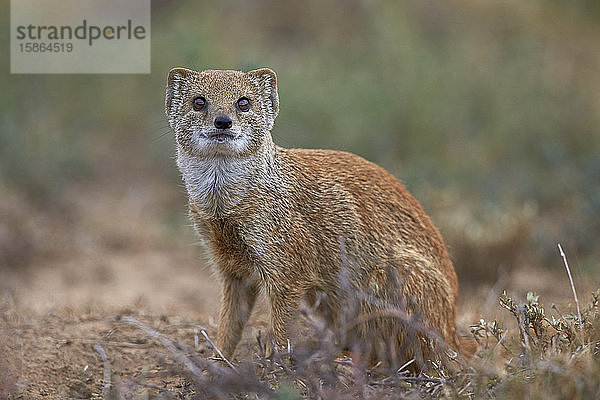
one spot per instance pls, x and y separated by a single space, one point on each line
221 113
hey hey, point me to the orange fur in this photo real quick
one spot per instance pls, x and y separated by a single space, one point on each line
307 224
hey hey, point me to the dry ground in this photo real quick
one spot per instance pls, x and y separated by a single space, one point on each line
80 275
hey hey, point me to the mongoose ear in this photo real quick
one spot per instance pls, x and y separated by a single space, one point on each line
176 81
266 82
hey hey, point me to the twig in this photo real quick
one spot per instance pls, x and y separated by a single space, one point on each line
425 379
374 367
203 332
412 360
416 379
523 329
347 361
564 257
107 373
499 342
461 391
555 308
61 342
167 343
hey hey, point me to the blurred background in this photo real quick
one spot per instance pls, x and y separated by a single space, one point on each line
488 111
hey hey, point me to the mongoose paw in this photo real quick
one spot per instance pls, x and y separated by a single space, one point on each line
274 347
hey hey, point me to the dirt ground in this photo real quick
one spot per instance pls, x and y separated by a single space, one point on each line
62 311
64 308
70 275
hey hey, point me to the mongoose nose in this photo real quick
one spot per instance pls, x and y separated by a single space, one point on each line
223 122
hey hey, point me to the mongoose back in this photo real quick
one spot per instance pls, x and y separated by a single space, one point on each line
325 226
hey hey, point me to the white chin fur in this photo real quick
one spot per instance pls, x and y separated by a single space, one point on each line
205 146
217 181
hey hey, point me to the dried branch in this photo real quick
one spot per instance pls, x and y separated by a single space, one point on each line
216 349
107 374
564 257
180 356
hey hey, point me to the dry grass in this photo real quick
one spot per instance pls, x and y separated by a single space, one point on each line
77 349
528 349
541 352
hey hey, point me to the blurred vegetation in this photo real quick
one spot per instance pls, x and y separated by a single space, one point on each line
489 112
537 352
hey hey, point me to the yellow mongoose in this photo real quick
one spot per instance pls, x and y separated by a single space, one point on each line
325 226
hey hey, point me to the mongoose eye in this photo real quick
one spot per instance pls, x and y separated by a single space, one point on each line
243 104
199 103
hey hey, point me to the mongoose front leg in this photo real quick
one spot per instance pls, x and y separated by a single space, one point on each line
284 305
237 302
